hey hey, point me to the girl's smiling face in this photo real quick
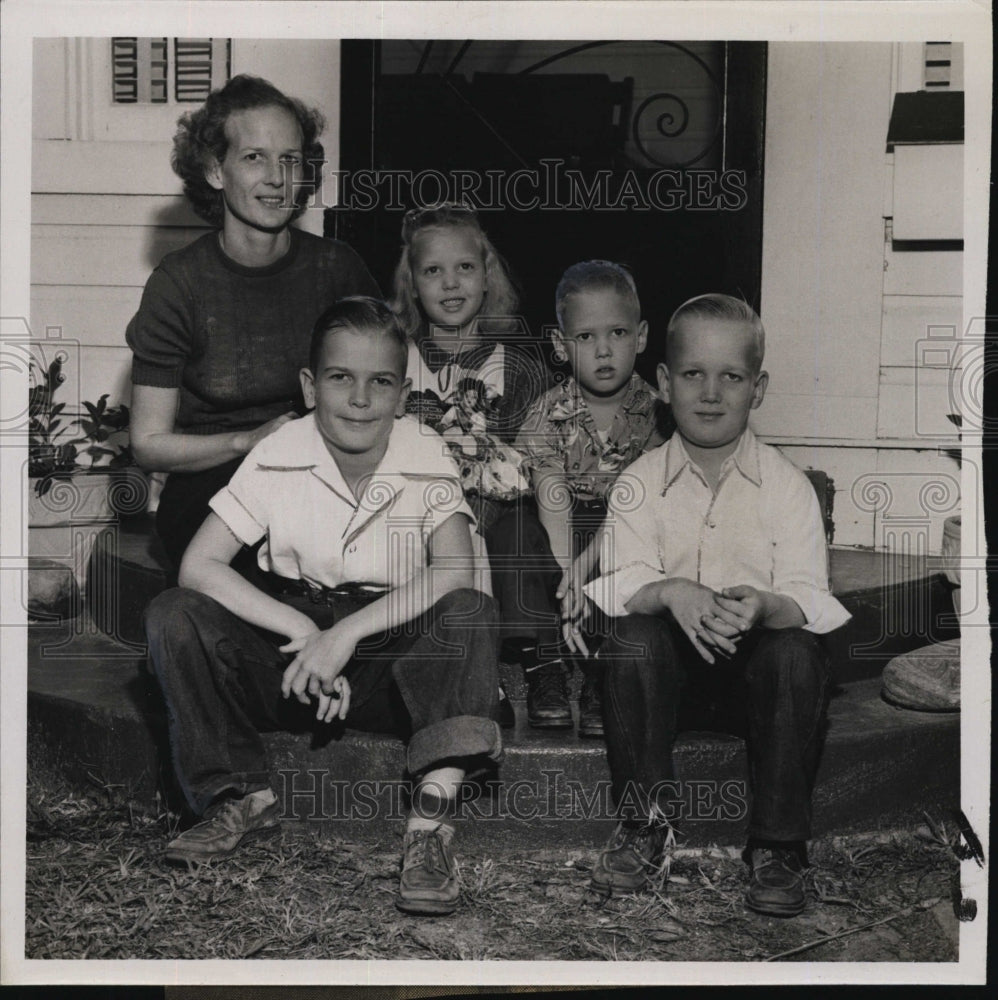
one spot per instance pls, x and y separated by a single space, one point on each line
448 275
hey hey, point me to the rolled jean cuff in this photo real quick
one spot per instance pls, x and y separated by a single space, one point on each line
204 800
459 736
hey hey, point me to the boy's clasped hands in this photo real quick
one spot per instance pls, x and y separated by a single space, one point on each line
316 670
712 621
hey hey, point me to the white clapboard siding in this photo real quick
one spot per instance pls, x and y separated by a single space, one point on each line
808 415
123 168
914 403
880 490
917 327
924 489
101 255
106 369
113 210
845 466
923 272
93 315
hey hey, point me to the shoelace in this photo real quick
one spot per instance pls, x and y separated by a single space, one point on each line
548 681
432 846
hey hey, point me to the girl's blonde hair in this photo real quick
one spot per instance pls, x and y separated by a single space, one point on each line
499 304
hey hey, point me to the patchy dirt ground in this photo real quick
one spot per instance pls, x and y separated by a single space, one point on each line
96 888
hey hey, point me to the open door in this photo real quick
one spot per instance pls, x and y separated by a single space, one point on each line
646 153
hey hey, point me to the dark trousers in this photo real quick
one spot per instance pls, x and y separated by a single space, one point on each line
525 573
773 692
433 681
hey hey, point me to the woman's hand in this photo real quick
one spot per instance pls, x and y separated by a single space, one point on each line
247 440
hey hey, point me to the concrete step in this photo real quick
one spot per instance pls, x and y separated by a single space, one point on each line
898 603
94 714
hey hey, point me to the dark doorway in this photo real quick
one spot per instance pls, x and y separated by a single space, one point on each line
646 153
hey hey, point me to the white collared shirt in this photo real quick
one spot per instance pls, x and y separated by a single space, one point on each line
290 492
762 527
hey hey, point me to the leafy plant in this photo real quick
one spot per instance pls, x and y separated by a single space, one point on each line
103 423
49 457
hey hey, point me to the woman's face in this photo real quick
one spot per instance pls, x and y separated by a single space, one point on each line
263 162
448 276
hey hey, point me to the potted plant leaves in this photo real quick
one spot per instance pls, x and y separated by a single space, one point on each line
80 466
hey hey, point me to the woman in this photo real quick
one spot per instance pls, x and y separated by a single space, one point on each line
224 324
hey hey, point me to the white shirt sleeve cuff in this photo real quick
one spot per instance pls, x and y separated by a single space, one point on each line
822 612
238 519
612 592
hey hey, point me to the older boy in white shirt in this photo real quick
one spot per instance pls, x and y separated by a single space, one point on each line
714 564
365 535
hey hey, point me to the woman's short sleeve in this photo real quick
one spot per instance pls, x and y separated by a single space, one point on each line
160 333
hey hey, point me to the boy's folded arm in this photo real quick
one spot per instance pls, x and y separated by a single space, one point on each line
800 560
450 566
206 568
754 606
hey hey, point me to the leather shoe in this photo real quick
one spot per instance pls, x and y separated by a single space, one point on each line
776 887
429 881
547 697
232 823
630 856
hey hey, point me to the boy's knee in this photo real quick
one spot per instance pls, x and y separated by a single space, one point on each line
637 643
466 605
793 653
172 609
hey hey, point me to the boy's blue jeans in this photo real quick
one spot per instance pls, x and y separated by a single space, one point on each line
433 681
773 691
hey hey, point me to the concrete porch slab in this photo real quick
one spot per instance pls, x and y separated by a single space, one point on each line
94 714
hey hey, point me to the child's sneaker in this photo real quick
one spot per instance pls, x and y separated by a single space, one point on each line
429 879
232 823
630 856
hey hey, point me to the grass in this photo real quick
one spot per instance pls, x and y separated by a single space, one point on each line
96 887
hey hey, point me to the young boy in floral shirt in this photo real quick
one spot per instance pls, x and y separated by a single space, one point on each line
577 438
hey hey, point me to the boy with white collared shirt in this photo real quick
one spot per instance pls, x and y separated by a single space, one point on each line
716 573
366 537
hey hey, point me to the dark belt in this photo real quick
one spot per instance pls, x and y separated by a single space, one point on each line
589 505
327 595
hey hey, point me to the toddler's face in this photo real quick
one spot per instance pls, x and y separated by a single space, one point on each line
448 275
602 336
711 381
357 391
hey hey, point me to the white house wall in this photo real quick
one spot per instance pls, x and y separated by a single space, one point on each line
857 334
106 205
844 314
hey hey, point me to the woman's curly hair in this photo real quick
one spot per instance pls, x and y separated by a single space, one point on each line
200 142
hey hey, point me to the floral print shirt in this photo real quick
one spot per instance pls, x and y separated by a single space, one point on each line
476 402
559 435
